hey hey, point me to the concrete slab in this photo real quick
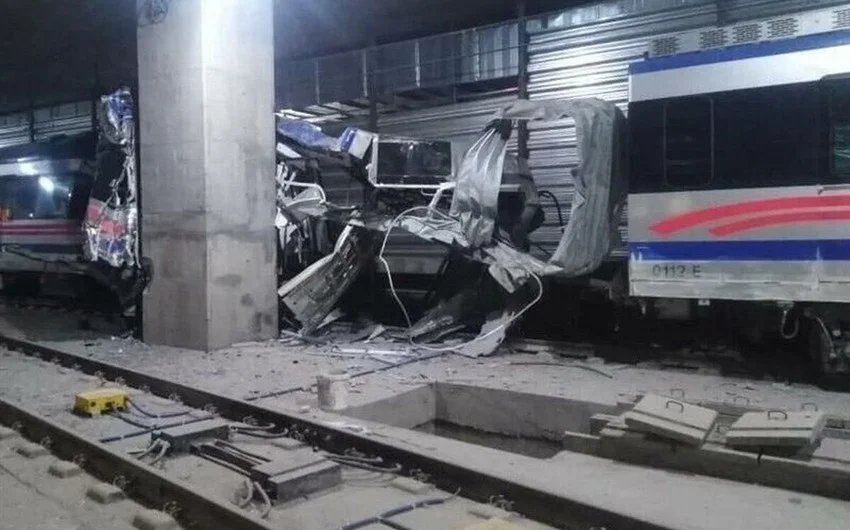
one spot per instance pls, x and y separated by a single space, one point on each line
279 467
580 442
31 450
672 419
301 481
617 428
776 428
64 469
599 421
494 524
6 433
833 449
411 486
181 438
154 520
489 512
701 502
288 443
104 493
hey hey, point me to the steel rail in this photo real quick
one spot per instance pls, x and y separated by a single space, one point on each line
537 504
142 482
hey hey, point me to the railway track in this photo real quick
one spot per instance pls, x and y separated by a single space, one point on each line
121 475
409 477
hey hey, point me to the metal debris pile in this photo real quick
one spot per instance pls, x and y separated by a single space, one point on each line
417 187
389 345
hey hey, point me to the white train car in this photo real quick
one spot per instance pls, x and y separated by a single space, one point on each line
740 176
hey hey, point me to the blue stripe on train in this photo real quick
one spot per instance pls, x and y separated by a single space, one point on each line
770 250
742 51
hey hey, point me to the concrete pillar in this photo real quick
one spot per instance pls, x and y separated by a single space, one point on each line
206 103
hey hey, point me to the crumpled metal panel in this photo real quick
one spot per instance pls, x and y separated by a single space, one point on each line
111 223
313 293
460 123
599 180
470 225
600 183
476 195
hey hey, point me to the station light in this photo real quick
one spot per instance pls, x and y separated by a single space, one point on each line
47 184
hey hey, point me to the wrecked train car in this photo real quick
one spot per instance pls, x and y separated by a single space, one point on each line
69 209
482 212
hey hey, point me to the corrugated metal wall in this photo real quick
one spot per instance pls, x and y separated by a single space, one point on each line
576 56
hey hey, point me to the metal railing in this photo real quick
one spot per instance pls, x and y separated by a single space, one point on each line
449 59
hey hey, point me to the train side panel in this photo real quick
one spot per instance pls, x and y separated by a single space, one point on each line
766 244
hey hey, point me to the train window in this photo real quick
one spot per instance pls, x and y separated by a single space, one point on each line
751 138
768 136
36 197
646 131
688 142
839 128
841 149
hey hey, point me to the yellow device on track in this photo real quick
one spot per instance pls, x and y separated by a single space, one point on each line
95 402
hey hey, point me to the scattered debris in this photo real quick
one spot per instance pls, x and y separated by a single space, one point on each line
377 332
353 427
312 295
370 351
565 365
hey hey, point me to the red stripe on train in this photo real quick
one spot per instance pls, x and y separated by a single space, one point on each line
36 231
754 223
30 224
694 218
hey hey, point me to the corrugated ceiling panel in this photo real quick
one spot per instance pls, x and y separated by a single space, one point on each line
14 129
68 118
